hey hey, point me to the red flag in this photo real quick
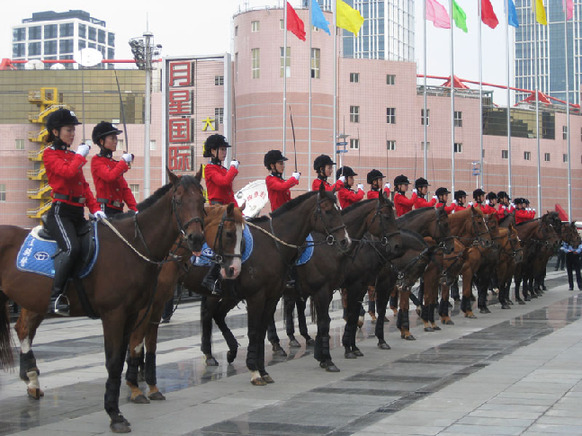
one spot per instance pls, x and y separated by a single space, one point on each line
294 23
488 15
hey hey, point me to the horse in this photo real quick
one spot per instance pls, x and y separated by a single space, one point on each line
511 254
223 228
372 225
485 274
121 283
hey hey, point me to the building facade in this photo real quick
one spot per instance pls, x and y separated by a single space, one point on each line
58 35
553 43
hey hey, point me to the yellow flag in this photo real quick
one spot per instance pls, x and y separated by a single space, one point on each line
540 11
348 18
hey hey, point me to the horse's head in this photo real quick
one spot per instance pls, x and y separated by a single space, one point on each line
224 228
515 244
382 224
327 219
188 209
479 229
443 235
570 234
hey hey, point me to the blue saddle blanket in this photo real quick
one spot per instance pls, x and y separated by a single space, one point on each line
307 253
205 259
36 255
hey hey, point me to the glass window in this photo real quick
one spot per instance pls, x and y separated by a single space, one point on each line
390 79
354 114
35 32
218 80
2 193
282 55
427 146
111 39
235 30
82 44
255 63
527 155
19 144
315 63
282 24
458 147
134 187
18 50
391 115
254 26
564 132
66 29
390 145
92 34
424 119
504 154
458 119
101 36
354 144
564 157
19 34
153 144
50 31
110 53
82 31
546 157
219 115
50 47
34 49
354 77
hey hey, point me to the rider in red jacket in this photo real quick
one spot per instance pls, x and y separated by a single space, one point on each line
219 186
402 203
323 166
374 179
277 187
421 188
522 212
443 195
505 208
460 200
70 192
110 185
345 194
484 205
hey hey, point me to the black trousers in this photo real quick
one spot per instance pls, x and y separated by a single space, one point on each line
64 222
573 267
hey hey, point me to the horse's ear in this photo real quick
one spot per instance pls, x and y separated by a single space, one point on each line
199 173
382 198
173 177
229 208
322 188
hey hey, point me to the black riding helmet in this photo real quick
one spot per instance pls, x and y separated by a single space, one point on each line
59 118
321 161
374 175
460 194
102 130
477 192
502 194
491 196
401 180
272 157
345 171
441 191
214 141
420 182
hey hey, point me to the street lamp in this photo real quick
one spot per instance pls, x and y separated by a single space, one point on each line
143 49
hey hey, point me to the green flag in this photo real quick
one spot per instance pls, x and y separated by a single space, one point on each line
460 17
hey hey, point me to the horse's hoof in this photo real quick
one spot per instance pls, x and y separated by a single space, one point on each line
484 310
505 306
449 322
35 393
409 338
520 302
267 379
436 328
310 342
350 355
428 329
156 396
357 352
120 427
140 399
329 366
293 343
140 377
383 346
528 298
211 361
231 355
258 382
278 351
510 302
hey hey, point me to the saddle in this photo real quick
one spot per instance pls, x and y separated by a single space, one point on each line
207 255
39 250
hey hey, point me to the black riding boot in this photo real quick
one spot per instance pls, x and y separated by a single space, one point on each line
59 303
211 280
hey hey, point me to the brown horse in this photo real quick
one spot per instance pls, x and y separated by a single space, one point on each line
120 284
223 228
511 254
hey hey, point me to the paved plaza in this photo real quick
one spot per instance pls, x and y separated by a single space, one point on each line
511 372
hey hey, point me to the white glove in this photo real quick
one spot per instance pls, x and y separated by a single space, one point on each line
387 185
100 215
414 191
527 209
296 176
234 163
360 186
533 210
512 205
342 179
435 197
127 157
487 202
454 201
470 204
83 150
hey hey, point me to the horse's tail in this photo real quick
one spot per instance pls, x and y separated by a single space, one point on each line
313 311
6 357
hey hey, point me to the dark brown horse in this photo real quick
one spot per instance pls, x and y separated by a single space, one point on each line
121 283
223 228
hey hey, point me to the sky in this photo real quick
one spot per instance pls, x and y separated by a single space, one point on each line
201 27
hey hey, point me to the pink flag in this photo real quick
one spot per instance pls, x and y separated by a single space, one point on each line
569 8
437 13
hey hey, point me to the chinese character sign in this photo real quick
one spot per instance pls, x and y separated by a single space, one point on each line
180 74
179 158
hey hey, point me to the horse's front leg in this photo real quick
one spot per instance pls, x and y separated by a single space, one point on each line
220 320
403 320
207 307
116 330
254 318
26 327
351 327
322 351
444 305
151 346
135 355
384 288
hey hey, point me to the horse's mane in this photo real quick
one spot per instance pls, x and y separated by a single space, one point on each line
356 205
414 235
415 212
287 206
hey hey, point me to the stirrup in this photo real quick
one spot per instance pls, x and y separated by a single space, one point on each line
215 288
61 307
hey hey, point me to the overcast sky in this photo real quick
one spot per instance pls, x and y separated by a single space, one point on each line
204 27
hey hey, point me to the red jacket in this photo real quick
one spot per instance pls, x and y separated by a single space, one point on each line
219 183
64 170
503 211
375 194
448 209
403 204
420 202
328 187
522 215
110 185
486 209
347 197
459 207
278 190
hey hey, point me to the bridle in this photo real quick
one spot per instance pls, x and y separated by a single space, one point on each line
441 240
219 254
383 218
330 239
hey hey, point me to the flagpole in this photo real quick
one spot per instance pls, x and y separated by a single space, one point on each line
285 80
508 103
480 96
539 174
568 111
452 104
310 92
334 138
425 118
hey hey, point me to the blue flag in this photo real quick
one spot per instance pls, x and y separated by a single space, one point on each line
512 14
317 18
